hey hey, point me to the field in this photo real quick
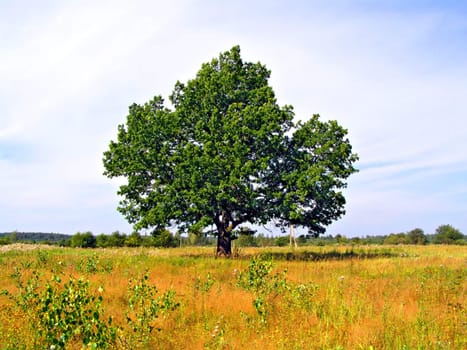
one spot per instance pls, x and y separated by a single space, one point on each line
340 297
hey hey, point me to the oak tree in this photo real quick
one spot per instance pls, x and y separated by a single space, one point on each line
225 154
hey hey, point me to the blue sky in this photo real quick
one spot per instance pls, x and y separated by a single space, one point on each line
394 73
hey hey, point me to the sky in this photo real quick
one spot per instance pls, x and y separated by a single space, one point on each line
394 73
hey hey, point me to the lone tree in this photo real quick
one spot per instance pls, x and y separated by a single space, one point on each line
228 154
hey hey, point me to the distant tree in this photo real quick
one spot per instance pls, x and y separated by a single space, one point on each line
133 240
302 240
198 238
4 240
264 241
148 241
396 238
245 237
102 241
64 242
165 239
83 240
377 239
341 239
416 236
282 241
13 236
228 154
117 239
446 234
246 241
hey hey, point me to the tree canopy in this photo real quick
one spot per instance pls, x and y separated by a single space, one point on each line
226 154
447 234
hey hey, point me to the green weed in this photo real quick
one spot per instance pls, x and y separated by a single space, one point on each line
92 264
144 307
62 314
263 284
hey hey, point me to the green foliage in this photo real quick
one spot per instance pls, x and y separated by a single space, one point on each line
245 237
42 257
341 239
83 240
310 174
282 241
417 236
301 295
198 239
446 234
71 311
165 239
116 239
228 154
92 264
134 240
264 285
396 238
264 241
206 285
102 241
144 309
61 314
33 237
5 240
247 241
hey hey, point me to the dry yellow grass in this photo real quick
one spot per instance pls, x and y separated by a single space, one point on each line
413 299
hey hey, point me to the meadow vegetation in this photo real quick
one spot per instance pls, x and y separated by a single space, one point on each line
330 297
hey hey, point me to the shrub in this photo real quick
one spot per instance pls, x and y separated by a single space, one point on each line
62 315
102 241
83 240
116 239
144 308
282 241
247 241
396 238
416 236
4 240
165 239
264 285
446 234
133 240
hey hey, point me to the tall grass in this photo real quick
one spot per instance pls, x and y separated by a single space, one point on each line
341 298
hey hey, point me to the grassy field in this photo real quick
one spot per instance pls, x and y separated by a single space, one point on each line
377 297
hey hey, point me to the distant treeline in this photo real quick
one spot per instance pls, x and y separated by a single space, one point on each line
444 234
33 237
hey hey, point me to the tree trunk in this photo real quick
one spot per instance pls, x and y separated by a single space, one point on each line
225 225
292 239
224 245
